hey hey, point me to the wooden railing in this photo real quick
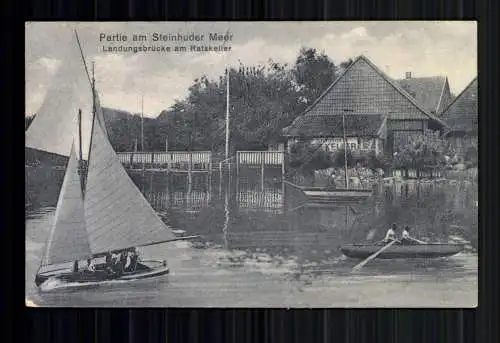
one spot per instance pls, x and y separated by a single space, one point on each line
182 160
270 199
268 158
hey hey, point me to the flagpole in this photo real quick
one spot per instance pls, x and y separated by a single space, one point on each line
345 153
227 113
142 130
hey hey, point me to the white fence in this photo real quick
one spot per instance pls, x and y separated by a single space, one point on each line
194 160
273 158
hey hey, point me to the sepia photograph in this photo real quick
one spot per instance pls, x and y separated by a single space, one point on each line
329 164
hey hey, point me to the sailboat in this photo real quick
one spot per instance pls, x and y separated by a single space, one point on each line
47 142
106 216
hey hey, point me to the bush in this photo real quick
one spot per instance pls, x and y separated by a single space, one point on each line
338 159
378 162
309 157
471 156
426 150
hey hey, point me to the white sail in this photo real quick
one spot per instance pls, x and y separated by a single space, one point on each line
117 215
68 238
54 126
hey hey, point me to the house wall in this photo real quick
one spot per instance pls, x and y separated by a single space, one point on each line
400 132
276 147
355 144
446 99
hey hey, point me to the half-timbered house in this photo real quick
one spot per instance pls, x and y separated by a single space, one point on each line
365 90
363 132
462 118
432 93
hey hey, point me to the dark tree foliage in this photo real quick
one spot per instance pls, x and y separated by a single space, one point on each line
313 72
339 158
263 100
307 157
425 150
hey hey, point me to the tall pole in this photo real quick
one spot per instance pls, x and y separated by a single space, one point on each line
227 113
80 160
142 130
345 153
80 134
93 116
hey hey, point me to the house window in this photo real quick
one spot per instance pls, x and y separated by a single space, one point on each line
367 144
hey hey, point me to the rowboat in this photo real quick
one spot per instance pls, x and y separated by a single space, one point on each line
430 250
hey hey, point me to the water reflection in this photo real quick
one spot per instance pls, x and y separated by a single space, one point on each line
245 214
250 228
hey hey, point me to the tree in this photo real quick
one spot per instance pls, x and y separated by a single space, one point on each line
313 72
339 159
425 150
263 100
307 157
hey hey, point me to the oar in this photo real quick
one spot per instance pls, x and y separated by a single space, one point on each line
371 257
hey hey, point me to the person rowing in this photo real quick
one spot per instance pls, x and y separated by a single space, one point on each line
90 266
390 235
407 239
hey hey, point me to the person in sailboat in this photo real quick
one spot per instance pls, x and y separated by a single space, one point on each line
75 267
131 262
116 262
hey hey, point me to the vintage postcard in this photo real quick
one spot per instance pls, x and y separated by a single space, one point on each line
251 164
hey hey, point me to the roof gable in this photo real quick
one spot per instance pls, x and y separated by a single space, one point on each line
359 125
363 88
465 104
432 93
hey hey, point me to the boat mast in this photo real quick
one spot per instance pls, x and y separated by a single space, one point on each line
93 111
92 85
80 159
345 152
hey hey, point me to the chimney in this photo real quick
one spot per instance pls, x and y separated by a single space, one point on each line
408 75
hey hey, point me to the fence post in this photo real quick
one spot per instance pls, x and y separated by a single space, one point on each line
283 165
190 171
237 164
262 170
209 176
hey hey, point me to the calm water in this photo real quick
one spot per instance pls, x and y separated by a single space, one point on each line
260 246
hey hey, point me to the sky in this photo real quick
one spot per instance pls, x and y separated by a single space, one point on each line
123 78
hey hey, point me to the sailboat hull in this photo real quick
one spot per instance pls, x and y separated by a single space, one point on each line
85 278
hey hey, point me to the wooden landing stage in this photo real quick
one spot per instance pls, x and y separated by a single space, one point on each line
172 161
200 161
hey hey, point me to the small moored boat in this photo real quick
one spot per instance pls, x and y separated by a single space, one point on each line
430 250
